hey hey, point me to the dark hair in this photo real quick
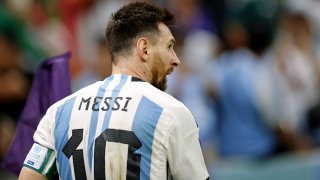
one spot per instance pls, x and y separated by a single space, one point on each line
132 20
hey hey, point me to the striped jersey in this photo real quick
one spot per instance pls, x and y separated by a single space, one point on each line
122 128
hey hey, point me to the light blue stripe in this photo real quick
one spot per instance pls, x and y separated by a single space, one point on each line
115 93
144 125
63 115
94 120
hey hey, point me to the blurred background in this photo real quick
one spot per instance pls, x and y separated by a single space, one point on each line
250 74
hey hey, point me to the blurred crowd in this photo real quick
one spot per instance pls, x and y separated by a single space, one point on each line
250 70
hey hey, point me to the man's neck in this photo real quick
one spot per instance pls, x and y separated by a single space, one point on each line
132 68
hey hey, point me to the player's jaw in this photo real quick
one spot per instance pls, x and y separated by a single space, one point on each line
159 80
159 73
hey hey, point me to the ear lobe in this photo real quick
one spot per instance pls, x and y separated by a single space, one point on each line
142 47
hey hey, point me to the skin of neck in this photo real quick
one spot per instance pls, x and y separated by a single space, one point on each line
133 65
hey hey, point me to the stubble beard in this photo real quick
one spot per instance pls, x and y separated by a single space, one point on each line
159 81
159 75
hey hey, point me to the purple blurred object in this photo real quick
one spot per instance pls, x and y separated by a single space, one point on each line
51 83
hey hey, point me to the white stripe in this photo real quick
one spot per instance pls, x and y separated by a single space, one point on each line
82 121
71 126
159 158
50 163
123 120
108 93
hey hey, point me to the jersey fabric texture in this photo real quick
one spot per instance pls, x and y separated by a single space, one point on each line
122 128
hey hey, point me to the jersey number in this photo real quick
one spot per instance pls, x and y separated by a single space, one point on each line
108 135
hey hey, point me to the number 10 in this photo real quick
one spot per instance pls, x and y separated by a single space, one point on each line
108 135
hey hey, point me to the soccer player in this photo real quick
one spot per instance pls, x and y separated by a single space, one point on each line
124 127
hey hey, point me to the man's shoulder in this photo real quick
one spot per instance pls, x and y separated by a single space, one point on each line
162 97
177 113
168 103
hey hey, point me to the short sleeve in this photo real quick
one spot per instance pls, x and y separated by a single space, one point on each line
44 132
42 160
41 157
184 151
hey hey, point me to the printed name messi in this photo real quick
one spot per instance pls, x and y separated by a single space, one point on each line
104 103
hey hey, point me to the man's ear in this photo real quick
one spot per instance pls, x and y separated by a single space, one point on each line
142 47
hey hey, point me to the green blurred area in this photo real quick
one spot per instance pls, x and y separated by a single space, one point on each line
17 32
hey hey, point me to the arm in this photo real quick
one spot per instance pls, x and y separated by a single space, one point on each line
40 162
184 151
27 173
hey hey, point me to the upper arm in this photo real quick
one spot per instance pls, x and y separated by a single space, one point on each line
186 159
40 161
184 151
27 174
44 133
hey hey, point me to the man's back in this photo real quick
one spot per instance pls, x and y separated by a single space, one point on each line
120 128
123 128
